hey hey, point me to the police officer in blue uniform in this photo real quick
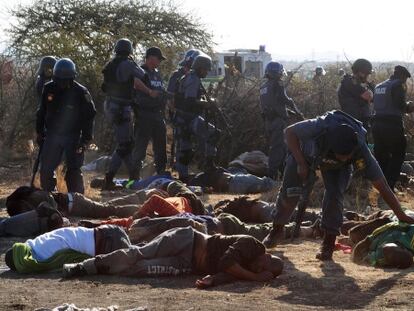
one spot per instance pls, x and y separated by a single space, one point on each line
335 144
64 126
122 76
275 104
44 74
184 67
150 114
355 93
189 121
388 128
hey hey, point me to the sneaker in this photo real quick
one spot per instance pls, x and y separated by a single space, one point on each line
73 270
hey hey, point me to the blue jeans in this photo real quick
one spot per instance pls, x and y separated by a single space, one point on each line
336 182
247 183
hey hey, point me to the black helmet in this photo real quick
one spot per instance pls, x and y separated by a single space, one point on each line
202 61
46 64
401 71
362 65
64 69
123 45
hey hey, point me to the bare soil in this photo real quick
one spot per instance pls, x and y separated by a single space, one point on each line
305 284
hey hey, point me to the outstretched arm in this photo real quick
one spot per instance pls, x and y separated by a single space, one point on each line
392 201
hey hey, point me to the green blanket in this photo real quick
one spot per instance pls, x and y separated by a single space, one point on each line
25 263
395 232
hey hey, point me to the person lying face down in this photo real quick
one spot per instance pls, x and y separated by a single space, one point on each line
388 246
223 181
185 250
26 199
51 250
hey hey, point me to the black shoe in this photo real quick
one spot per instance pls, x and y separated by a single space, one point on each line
274 236
327 248
108 183
73 270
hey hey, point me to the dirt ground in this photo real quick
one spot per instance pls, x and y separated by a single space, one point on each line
305 284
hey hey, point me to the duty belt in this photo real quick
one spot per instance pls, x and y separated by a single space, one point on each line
120 100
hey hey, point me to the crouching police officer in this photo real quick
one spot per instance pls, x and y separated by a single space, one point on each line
150 114
121 76
44 74
355 93
332 143
65 123
189 122
274 104
388 128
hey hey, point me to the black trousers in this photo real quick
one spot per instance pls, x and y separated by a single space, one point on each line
389 147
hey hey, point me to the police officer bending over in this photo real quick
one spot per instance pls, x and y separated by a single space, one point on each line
64 126
150 114
388 127
189 122
274 103
355 93
121 76
335 144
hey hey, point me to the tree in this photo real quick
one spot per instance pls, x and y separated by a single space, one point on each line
86 30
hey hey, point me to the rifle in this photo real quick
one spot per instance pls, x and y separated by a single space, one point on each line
216 110
36 165
303 204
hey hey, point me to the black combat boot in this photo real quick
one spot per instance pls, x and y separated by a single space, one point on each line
108 182
327 248
274 236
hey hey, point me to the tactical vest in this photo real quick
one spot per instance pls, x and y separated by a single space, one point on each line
183 104
153 81
383 103
111 86
326 159
270 103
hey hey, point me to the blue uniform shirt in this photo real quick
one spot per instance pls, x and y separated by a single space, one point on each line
128 68
174 79
310 134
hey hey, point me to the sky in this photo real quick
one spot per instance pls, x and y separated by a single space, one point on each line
321 30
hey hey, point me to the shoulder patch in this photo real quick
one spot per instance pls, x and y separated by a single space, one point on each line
360 164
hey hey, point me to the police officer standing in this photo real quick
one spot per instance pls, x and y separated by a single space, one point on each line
121 76
355 93
189 122
331 143
184 67
388 128
150 114
274 104
44 74
64 126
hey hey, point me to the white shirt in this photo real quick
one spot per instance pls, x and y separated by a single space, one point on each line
79 239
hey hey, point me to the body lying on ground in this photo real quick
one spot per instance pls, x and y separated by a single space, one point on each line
49 251
185 250
75 204
390 245
221 180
